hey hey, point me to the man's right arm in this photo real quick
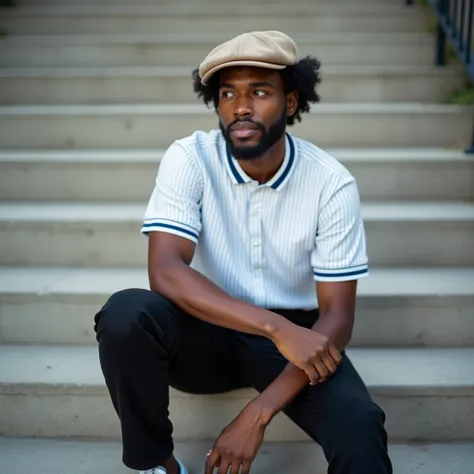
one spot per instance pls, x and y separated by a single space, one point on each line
170 275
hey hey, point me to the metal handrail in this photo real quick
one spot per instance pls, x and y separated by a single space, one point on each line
454 24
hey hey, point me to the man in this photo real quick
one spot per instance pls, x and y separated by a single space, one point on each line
256 243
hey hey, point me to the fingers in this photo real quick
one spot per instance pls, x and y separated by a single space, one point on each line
235 467
335 354
322 369
229 466
312 374
329 364
245 467
324 364
224 466
212 461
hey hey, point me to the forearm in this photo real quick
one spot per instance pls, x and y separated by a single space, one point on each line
338 329
337 326
198 296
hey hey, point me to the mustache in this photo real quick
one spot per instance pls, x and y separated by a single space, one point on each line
259 125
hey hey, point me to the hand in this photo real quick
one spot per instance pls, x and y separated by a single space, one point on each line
239 442
308 350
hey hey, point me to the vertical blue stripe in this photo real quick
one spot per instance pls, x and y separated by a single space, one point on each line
236 174
280 180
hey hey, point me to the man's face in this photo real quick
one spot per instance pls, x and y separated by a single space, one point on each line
253 108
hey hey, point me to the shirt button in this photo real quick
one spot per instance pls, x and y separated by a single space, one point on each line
255 213
256 243
257 266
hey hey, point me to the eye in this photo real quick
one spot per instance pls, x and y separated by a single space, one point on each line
227 94
260 93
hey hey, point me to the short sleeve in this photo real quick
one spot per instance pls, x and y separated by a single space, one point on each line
340 246
174 205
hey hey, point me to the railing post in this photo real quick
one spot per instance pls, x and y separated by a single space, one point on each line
470 150
453 26
440 59
467 52
468 47
440 46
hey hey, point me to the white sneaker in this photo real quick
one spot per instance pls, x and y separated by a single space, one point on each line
162 470
155 470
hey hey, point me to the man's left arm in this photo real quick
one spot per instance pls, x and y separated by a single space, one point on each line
336 320
244 436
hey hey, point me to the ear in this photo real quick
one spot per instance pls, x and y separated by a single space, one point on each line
291 103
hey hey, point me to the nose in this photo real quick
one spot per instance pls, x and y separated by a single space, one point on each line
243 107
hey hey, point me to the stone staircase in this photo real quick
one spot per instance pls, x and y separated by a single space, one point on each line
90 98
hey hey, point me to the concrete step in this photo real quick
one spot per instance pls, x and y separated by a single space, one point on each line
396 307
154 126
88 234
84 457
195 6
101 85
159 19
122 175
185 49
58 391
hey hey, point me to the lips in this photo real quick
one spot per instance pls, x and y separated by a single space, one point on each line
244 129
244 126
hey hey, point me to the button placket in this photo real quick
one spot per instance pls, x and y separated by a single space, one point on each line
256 247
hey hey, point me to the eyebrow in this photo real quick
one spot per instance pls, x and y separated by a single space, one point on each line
253 84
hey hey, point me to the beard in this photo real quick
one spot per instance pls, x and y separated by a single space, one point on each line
268 138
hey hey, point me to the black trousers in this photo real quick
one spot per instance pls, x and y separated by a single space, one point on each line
147 344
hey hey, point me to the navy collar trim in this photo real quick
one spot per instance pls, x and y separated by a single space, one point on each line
277 182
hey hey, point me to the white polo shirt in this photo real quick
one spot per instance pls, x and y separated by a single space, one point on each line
265 244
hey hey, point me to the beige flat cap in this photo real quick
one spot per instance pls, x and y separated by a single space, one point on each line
267 49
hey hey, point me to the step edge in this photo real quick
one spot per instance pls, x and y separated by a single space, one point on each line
53 389
74 110
58 283
392 38
143 156
184 71
178 10
90 213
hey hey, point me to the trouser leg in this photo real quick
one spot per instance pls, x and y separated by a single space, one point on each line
146 345
338 414
341 416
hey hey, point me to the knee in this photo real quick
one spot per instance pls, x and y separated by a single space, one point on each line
362 422
124 311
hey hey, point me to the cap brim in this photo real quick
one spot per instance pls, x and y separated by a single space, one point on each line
205 79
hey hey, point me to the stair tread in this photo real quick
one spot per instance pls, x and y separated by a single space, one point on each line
383 282
154 155
296 9
104 457
173 71
125 212
77 368
196 109
186 39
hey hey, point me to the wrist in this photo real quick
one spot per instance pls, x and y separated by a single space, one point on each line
262 410
275 328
